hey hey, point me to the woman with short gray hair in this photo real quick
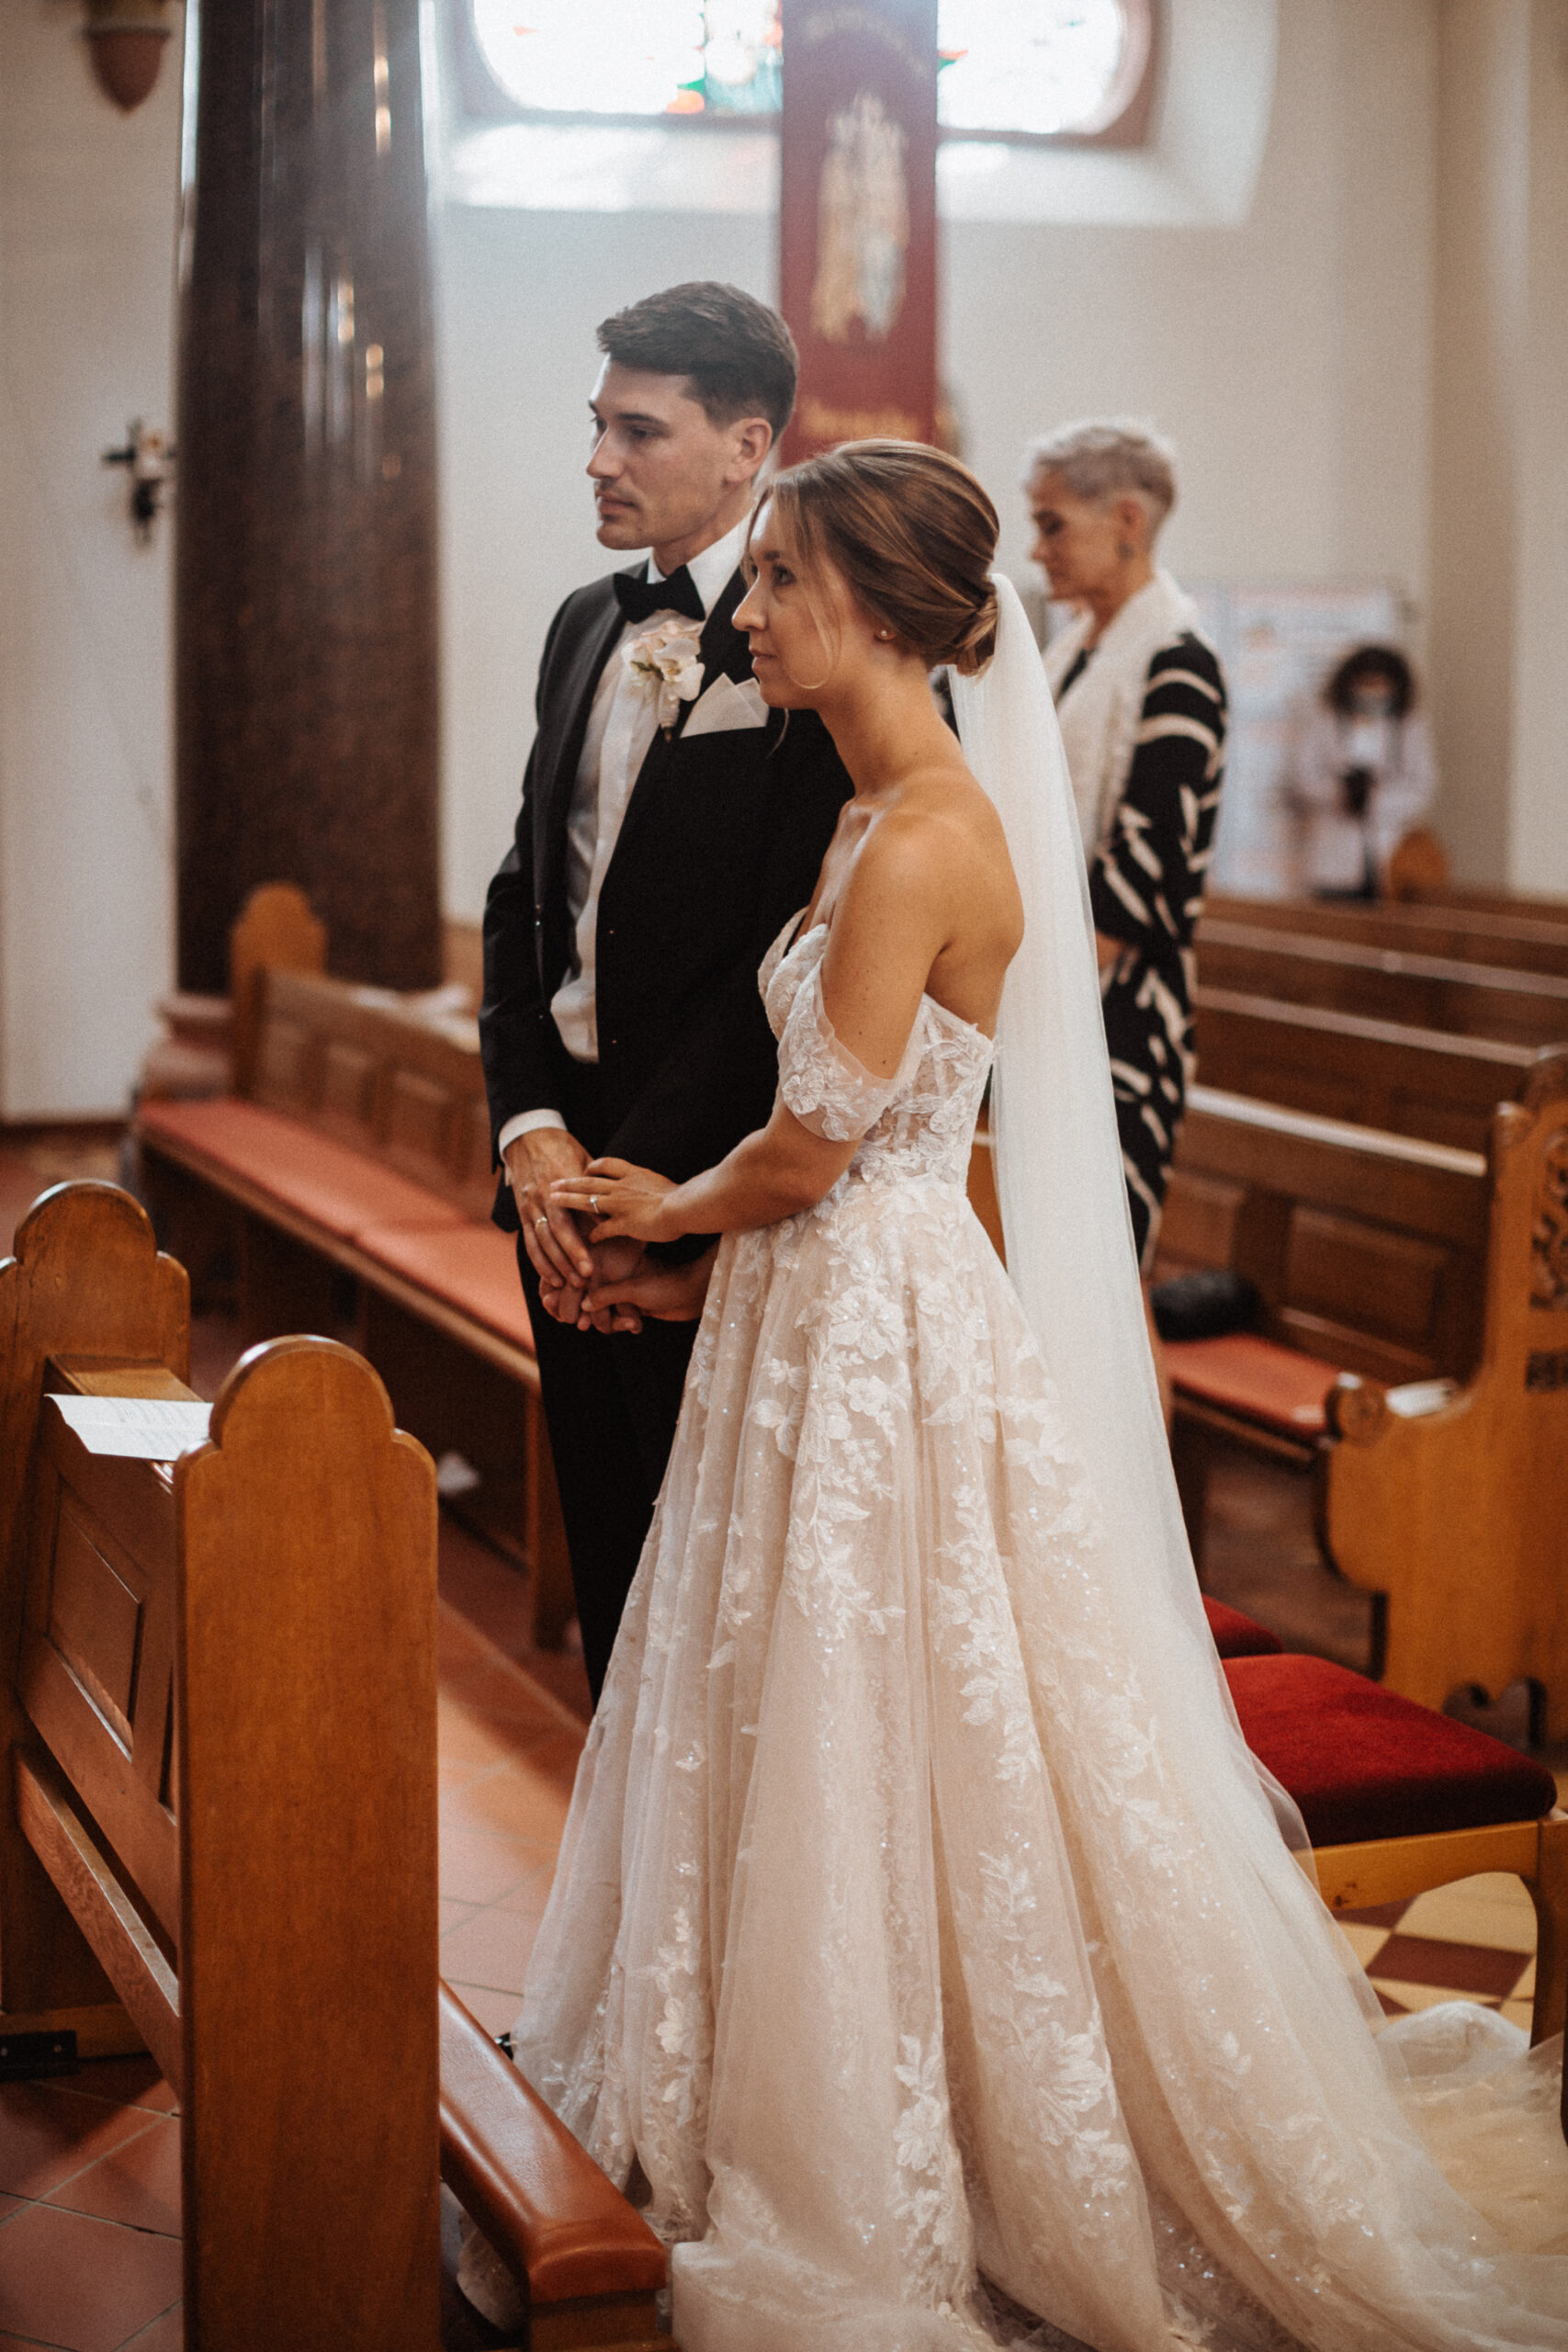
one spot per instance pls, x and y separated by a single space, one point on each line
1142 704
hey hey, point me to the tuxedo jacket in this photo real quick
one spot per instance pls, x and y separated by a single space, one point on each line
720 843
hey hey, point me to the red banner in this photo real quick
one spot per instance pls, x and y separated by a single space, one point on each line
857 219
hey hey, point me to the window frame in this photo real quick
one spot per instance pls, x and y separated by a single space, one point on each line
1124 121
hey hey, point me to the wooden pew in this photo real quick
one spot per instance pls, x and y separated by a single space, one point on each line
1466 895
1420 992
1425 1082
223 1768
362 1150
1464 936
1460 1516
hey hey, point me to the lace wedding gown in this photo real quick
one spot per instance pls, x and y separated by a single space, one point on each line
891 1939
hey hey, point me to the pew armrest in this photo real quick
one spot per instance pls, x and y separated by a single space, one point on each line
560 2225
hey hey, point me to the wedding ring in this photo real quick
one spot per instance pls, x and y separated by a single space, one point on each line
541 1220
593 1203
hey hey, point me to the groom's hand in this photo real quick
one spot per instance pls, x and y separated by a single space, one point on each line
551 1235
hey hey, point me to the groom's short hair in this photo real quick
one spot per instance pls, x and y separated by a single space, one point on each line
737 354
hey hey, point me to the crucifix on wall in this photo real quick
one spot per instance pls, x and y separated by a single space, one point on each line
857 214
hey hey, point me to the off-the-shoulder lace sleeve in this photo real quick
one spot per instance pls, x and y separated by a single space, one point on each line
820 1080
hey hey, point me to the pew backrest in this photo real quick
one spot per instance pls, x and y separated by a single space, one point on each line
1418 990
378 1071
1426 1083
1369 1249
277 929
1518 942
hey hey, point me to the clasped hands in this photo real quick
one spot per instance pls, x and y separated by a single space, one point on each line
585 1228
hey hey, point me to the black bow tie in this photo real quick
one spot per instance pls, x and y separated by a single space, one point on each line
640 599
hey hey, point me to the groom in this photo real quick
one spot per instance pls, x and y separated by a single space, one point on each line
671 824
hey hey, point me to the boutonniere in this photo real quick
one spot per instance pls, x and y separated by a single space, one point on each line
668 659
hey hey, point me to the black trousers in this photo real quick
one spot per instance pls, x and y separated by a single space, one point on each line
612 1400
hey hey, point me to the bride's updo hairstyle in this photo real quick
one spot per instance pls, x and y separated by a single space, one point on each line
912 534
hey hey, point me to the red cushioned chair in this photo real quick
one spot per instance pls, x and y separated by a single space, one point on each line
1398 1799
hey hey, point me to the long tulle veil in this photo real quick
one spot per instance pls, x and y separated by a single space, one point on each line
1063 1203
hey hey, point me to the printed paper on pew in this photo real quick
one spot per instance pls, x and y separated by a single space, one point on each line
145 1428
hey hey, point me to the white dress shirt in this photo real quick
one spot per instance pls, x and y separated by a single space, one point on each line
621 722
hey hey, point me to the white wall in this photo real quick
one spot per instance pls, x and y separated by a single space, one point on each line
88 218
1290 355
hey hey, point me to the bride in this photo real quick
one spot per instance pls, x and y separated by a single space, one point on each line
924 1938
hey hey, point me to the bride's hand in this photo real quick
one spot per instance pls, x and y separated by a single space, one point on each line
626 1203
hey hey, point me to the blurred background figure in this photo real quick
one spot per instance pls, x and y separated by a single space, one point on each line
1360 774
1142 703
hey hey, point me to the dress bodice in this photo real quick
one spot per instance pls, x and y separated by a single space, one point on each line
916 1124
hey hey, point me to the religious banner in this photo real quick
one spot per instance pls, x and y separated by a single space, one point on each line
857 219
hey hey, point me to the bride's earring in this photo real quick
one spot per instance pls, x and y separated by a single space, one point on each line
885 635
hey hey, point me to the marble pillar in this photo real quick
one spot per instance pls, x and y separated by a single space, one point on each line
305 569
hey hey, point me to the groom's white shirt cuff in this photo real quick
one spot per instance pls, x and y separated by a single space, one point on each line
526 1122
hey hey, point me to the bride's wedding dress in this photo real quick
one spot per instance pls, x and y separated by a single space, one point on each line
921 1930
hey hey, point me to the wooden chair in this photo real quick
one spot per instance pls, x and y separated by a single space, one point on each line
218 1708
1460 1516
1398 1799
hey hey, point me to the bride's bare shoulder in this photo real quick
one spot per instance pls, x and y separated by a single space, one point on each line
944 832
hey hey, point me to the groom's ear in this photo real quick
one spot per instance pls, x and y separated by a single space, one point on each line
751 437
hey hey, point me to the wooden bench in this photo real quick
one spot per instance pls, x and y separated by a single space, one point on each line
1420 992
1471 896
1424 1082
220 1828
355 1179
1466 936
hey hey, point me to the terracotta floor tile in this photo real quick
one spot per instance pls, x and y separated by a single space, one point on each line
166 2334
47 2133
452 1914
491 1949
74 2280
498 1688
465 1736
477 1868
137 2184
527 1900
556 1755
511 1801
1461 1968
497 2012
129 2082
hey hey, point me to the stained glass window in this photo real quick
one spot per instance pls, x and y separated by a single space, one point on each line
1031 66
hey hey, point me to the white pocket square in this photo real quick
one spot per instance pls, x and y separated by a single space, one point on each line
726 705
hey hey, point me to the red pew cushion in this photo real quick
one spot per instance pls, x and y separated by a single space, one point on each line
472 1267
1363 1763
1238 1636
1278 1386
340 1189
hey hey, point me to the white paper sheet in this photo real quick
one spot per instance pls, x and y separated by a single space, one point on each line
145 1428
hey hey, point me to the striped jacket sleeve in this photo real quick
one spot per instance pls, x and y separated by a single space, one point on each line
1147 883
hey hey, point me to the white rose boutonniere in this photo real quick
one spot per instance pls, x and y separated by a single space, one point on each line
668 659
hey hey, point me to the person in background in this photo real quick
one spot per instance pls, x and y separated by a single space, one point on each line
1141 703
1360 774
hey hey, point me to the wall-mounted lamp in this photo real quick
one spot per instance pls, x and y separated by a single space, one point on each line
152 463
125 40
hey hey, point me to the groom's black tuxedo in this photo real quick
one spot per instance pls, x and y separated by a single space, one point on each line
720 843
